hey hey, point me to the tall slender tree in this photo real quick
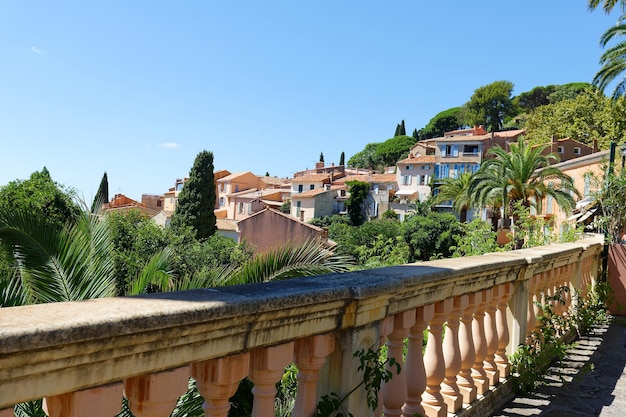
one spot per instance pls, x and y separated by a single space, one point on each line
102 195
197 199
342 158
321 157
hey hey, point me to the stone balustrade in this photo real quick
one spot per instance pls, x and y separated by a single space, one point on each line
82 357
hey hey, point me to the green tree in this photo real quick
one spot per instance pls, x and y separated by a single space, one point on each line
321 157
431 236
607 5
613 60
400 129
356 202
392 150
457 190
368 158
521 176
569 91
342 159
102 195
444 121
41 196
415 135
538 96
196 201
588 116
490 105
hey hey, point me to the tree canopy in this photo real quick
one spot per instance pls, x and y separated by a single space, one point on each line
196 201
394 149
490 106
356 202
444 121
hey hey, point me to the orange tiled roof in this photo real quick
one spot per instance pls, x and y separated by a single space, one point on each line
419 159
310 193
311 178
381 178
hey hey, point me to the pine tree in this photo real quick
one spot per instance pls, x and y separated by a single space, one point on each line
197 199
102 195
342 158
321 157
267 173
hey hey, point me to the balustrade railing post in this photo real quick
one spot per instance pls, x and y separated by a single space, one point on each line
156 395
434 363
502 362
267 366
217 381
395 390
386 327
468 352
311 353
479 375
491 337
104 401
452 355
517 313
414 367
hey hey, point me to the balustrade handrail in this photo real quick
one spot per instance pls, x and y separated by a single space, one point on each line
50 349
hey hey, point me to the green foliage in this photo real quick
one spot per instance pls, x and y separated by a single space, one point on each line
342 159
102 195
455 189
389 215
394 149
374 373
328 221
612 61
490 106
400 130
612 199
432 236
477 238
321 157
286 207
368 158
356 202
196 201
444 121
588 116
607 5
40 196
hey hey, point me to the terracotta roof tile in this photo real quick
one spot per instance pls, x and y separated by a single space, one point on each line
419 159
310 193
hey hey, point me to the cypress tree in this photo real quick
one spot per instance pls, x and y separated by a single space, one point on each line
102 195
402 129
415 135
342 158
196 201
321 157
397 132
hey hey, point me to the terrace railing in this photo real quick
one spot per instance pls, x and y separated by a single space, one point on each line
81 357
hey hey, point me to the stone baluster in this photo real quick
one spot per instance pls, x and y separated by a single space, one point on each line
311 353
267 366
386 327
480 343
468 353
414 366
452 355
104 401
533 309
395 390
217 381
434 363
155 395
504 367
491 337
8 412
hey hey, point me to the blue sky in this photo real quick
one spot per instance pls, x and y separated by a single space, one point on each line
138 88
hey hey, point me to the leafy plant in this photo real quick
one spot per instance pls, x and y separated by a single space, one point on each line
374 373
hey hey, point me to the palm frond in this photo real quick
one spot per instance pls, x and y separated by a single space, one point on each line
157 272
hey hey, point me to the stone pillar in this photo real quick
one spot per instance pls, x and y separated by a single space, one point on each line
395 390
156 395
480 343
311 353
267 366
491 337
217 380
502 362
434 363
464 379
105 401
386 327
452 355
517 314
414 367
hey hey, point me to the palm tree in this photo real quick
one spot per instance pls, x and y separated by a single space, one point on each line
455 189
613 60
607 5
521 176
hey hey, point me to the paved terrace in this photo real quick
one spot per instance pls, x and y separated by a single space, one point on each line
81 357
591 381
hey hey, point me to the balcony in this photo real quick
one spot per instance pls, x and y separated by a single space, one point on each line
83 356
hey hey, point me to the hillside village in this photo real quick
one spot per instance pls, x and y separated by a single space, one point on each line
268 211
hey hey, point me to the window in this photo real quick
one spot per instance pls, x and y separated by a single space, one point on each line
158 203
451 150
312 187
559 149
470 150
587 190
300 188
221 201
409 168
406 180
576 151
426 167
375 188
236 188
298 208
240 208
